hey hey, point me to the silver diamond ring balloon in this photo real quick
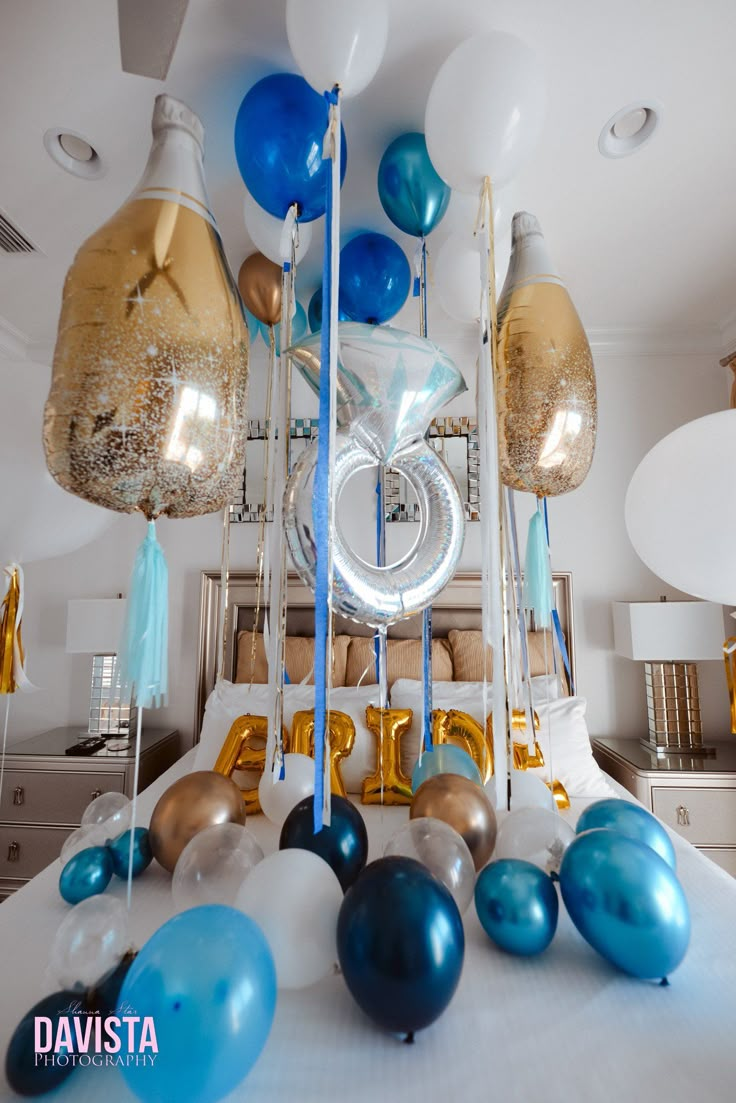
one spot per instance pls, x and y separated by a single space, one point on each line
390 386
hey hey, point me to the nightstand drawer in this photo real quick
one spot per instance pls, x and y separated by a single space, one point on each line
48 796
25 851
705 817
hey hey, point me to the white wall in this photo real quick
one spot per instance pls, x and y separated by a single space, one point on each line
641 398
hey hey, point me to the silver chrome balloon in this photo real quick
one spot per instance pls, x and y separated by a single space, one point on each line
390 386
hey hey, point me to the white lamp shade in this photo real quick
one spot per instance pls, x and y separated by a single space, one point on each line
661 631
94 625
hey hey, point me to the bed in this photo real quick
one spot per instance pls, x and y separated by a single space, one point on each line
564 1026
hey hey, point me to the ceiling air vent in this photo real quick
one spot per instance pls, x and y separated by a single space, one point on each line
11 239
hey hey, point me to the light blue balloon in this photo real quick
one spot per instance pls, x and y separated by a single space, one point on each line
87 874
254 326
412 193
208 979
298 328
517 906
626 902
632 820
119 851
445 758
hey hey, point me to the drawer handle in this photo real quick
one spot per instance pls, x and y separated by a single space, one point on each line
95 794
683 816
18 795
14 852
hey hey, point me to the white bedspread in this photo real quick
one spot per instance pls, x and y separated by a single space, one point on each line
565 1026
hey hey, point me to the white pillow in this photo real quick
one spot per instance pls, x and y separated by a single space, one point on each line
562 720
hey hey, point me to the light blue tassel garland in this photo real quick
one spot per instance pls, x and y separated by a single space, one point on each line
143 651
538 596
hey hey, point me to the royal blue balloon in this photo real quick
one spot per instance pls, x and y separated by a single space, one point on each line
208 979
445 758
629 819
279 133
400 943
412 193
314 312
517 906
120 853
626 902
298 328
26 1074
343 843
87 874
374 278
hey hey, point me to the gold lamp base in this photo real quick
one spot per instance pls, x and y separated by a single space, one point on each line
673 707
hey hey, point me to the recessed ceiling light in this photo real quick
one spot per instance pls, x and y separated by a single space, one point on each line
73 153
629 129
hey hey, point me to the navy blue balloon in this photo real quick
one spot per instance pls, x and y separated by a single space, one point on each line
412 193
25 1076
104 996
629 819
626 902
120 853
279 133
208 979
374 278
343 844
400 943
517 906
87 874
314 312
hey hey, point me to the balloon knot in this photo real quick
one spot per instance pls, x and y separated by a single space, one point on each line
664 983
554 877
409 1039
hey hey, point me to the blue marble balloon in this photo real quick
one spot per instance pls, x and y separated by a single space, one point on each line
400 942
517 906
120 853
445 758
208 979
298 328
626 902
87 874
343 844
27 1075
412 193
629 819
314 312
374 278
279 133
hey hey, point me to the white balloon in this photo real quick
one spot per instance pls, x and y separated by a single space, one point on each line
278 799
679 508
91 941
213 865
338 41
529 791
295 898
265 231
38 519
535 835
457 275
485 111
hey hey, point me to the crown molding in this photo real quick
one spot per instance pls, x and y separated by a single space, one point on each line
696 340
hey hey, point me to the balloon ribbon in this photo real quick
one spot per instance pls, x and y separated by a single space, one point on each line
427 613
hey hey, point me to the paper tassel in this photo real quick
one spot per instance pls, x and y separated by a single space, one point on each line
538 596
143 651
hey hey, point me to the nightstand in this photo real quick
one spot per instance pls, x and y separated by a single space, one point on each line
695 796
45 792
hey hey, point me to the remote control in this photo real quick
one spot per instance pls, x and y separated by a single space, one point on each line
86 746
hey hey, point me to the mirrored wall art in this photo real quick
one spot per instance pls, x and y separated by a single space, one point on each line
248 504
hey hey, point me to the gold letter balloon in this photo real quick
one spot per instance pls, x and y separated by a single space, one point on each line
547 411
147 402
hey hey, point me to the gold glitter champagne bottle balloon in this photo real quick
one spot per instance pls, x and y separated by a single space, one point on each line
147 403
546 395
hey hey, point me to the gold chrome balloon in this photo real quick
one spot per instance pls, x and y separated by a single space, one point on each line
545 383
465 732
259 283
341 740
387 784
198 800
465 806
147 403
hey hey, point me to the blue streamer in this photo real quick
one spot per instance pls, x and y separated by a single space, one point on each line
563 649
143 650
427 614
537 574
380 560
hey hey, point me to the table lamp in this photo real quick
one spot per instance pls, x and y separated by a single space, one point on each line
670 637
94 627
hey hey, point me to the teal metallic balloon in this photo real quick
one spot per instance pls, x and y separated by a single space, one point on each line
626 902
120 853
314 312
412 193
445 758
517 906
631 820
87 874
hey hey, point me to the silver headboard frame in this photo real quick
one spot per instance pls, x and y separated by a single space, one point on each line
458 606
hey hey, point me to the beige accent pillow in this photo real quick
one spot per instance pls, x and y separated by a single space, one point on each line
404 660
299 659
467 655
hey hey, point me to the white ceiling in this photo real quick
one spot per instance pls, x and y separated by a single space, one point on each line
645 242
